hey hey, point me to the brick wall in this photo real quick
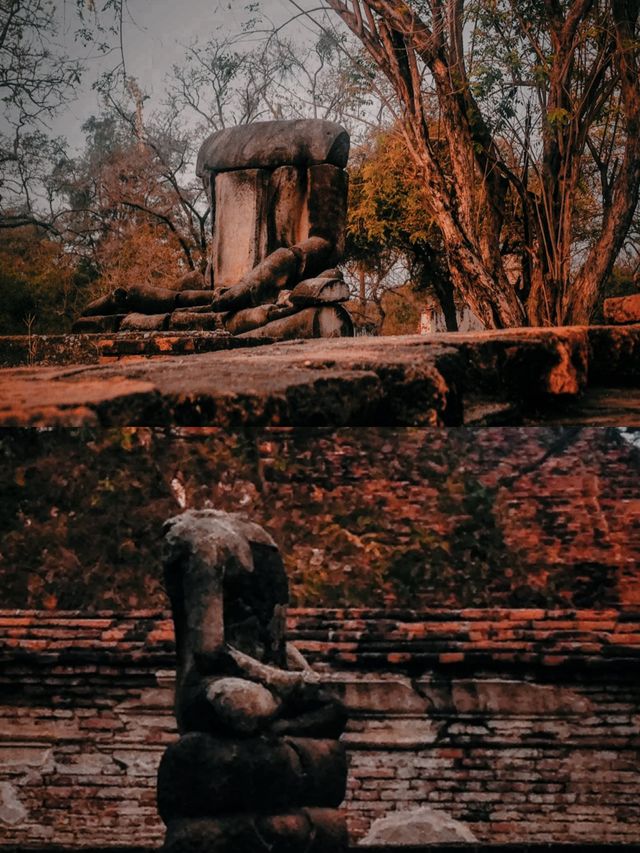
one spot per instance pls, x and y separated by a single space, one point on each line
524 724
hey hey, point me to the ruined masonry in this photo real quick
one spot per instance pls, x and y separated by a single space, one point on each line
278 195
259 765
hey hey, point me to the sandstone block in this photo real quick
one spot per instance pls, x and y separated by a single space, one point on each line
622 309
417 827
253 318
110 303
327 206
204 776
262 284
316 253
150 300
197 320
269 144
319 291
286 209
240 233
240 705
135 322
192 280
193 298
330 321
98 323
302 831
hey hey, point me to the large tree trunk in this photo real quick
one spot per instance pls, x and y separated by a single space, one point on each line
618 213
594 53
467 206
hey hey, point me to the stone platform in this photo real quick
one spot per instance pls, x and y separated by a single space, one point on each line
588 375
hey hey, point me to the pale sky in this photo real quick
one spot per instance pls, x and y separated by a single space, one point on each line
154 40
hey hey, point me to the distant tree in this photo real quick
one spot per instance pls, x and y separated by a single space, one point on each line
391 223
41 285
37 79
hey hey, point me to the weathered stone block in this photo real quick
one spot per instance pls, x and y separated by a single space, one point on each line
98 323
135 322
319 291
622 309
269 144
329 321
193 298
261 284
326 212
150 300
197 320
240 233
204 776
110 303
303 831
253 318
417 827
286 208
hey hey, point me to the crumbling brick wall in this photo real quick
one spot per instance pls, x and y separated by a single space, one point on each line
521 723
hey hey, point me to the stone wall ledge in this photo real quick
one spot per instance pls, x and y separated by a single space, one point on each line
401 641
509 377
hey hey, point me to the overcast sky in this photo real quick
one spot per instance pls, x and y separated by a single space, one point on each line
154 40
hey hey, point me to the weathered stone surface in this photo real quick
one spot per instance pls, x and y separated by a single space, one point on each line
227 587
417 827
145 322
260 285
203 776
316 253
377 381
105 348
326 211
97 323
253 318
197 320
309 830
517 698
329 321
324 769
286 209
193 298
77 404
12 810
319 291
150 300
240 233
111 303
228 591
622 309
614 356
269 144
332 273
322 830
240 705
